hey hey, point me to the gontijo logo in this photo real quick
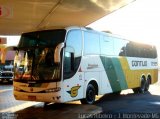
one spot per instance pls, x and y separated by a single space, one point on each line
136 63
74 91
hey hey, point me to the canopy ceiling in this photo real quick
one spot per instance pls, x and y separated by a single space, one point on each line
17 16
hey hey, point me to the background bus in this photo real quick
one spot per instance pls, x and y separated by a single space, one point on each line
78 63
6 64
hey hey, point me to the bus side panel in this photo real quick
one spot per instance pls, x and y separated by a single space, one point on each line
130 75
133 74
122 75
94 70
115 73
154 76
105 86
73 87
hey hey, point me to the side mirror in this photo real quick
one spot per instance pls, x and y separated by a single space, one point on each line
57 52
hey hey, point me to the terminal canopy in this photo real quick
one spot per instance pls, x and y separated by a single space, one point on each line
17 16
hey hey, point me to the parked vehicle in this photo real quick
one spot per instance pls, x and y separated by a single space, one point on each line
6 72
6 64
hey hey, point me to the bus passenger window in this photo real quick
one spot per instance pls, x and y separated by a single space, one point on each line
72 53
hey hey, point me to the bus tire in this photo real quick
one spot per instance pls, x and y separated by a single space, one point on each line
143 85
90 95
136 90
147 84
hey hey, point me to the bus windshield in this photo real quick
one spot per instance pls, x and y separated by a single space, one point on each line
34 59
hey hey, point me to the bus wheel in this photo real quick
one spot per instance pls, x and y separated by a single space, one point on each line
143 85
136 90
147 84
90 95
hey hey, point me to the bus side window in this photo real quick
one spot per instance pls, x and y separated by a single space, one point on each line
119 46
106 45
91 43
68 62
72 53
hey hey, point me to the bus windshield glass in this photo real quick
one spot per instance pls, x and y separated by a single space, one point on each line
34 59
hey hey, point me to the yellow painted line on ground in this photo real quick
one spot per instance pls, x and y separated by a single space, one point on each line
19 107
5 90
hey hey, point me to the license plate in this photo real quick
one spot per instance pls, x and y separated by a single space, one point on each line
32 98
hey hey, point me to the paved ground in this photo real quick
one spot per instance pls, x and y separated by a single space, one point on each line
14 109
126 105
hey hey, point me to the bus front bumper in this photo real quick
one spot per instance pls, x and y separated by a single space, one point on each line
39 97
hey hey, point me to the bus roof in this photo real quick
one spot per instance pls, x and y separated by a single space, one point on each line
108 33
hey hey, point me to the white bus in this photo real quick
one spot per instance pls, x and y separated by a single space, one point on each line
78 63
